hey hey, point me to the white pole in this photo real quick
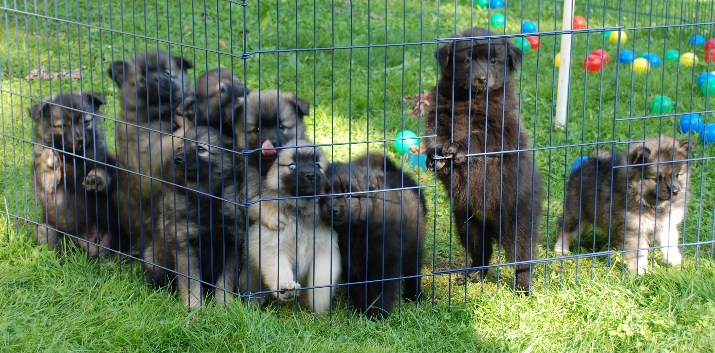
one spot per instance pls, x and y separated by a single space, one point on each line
562 96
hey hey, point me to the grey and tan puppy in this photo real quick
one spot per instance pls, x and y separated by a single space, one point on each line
634 196
217 100
73 173
152 86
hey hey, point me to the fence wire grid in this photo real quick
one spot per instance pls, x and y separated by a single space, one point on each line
361 154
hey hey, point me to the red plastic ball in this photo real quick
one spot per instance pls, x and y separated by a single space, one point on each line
579 22
710 44
710 55
603 55
592 63
534 42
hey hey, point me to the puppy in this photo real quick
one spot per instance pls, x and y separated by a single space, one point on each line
73 174
215 91
289 247
634 196
496 189
188 229
381 234
152 86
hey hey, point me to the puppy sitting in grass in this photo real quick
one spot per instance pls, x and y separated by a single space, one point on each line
217 100
634 196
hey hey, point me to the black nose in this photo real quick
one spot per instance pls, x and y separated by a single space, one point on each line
309 177
178 159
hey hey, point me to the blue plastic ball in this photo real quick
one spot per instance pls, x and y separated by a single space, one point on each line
708 133
697 40
626 57
404 140
528 27
499 4
704 77
577 164
652 58
691 123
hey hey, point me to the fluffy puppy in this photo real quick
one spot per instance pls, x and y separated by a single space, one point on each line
289 247
152 86
73 174
215 91
634 196
496 189
188 232
381 234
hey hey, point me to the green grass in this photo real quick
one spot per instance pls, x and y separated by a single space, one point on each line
65 303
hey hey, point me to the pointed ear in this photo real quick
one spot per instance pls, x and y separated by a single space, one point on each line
638 155
303 106
117 71
95 99
443 55
685 145
40 110
514 55
236 112
185 64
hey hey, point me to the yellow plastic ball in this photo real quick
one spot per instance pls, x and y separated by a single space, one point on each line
557 60
640 65
688 59
613 38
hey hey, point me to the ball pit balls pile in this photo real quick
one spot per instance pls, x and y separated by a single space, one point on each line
618 37
497 20
528 27
579 23
661 105
640 66
653 59
523 44
693 124
688 59
672 56
626 57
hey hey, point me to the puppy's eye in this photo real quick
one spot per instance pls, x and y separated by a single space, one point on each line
170 73
201 148
281 126
223 89
317 166
255 130
291 166
493 61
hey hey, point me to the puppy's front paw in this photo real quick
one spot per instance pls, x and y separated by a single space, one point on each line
287 290
95 181
434 158
452 151
674 258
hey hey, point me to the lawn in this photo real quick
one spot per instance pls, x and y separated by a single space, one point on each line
349 60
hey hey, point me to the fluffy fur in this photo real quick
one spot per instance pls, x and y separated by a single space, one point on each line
381 234
152 86
188 227
216 92
634 196
74 191
497 195
289 247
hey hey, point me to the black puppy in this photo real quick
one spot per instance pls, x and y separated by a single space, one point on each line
380 233
495 186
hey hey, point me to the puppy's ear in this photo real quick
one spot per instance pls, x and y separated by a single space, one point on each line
185 64
188 107
94 99
685 145
40 110
638 155
513 55
302 106
117 71
443 55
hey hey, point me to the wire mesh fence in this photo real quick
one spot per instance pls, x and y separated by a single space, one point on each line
361 154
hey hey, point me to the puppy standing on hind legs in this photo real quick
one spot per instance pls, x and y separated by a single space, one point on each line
634 196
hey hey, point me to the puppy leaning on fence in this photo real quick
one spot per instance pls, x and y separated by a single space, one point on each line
634 196
217 100
73 174
496 195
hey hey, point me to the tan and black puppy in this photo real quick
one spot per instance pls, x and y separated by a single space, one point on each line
634 196
189 238
217 100
74 174
152 86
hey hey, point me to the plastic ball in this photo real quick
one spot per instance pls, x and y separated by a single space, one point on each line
577 164
707 135
704 77
481 3
688 59
579 22
404 140
672 56
497 20
534 41
653 59
710 44
661 105
626 57
691 123
607 34
528 27
710 55
496 4
557 60
592 63
640 66
523 44
618 37
708 88
696 40
603 55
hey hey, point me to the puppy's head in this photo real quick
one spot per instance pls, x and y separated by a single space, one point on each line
658 168
67 121
298 171
152 78
214 91
272 120
353 181
204 159
477 64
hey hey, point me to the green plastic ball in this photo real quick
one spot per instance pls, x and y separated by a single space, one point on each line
482 3
498 20
523 44
607 34
661 105
708 88
404 140
672 56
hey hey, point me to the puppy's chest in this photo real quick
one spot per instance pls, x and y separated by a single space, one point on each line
649 220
